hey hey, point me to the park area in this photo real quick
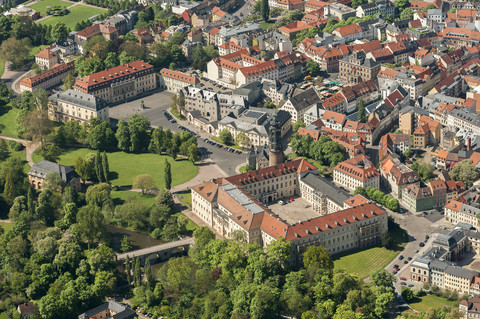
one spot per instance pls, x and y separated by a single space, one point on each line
428 301
124 167
41 6
77 13
366 261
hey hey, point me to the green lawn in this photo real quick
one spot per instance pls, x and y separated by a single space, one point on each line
6 227
119 197
427 302
124 167
42 5
266 25
8 123
191 226
365 262
77 14
185 197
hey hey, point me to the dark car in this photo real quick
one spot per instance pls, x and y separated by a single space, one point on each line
409 258
405 262
396 266
400 257
427 237
410 286
422 244
403 283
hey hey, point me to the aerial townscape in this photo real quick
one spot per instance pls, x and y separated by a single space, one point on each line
240 159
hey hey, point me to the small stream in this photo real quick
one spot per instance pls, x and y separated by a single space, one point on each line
137 239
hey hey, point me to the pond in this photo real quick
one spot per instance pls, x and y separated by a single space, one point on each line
137 239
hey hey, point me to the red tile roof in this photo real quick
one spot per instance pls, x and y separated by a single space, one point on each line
179 76
135 69
46 54
359 168
56 70
332 221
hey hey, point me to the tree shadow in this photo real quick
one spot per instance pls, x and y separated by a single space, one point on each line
112 175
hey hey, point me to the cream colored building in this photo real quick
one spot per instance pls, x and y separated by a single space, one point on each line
120 83
46 59
48 78
233 204
356 172
458 212
174 81
458 279
73 105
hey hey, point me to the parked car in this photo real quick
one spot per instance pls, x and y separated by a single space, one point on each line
422 244
403 283
427 237
410 286
396 266
400 257
403 278
281 202
409 258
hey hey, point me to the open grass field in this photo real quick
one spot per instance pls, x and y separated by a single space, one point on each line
120 197
124 167
42 5
6 227
77 14
427 302
8 122
364 262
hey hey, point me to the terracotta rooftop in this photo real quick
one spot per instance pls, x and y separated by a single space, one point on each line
179 76
332 221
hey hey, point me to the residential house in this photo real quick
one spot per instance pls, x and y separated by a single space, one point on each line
396 175
298 104
46 59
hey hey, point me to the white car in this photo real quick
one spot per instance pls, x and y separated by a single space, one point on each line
281 202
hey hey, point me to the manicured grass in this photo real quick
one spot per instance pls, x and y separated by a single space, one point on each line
266 25
8 124
177 114
191 226
42 5
365 262
427 302
6 227
185 197
120 197
124 167
77 14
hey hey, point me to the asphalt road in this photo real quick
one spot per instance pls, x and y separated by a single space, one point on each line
154 106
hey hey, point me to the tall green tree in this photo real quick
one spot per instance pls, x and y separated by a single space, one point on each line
466 172
265 10
98 167
123 136
318 257
149 276
4 151
137 273
168 175
91 224
127 269
105 167
9 189
362 116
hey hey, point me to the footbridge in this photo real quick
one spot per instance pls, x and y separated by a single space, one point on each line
158 253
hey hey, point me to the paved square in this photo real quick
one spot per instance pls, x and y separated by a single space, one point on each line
298 210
